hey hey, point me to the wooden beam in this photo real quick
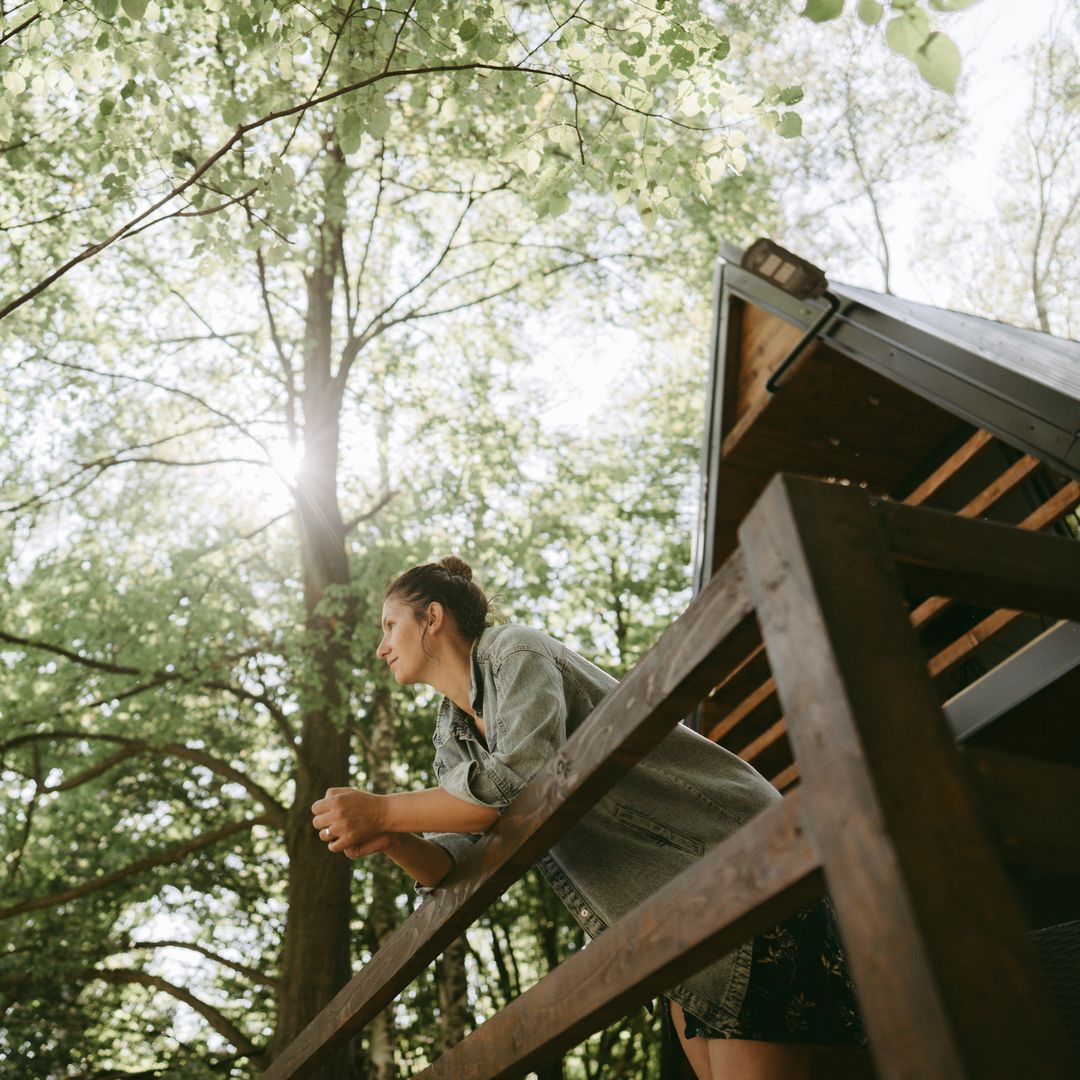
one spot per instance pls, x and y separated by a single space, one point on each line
966 644
751 673
714 631
948 469
1032 808
1000 486
982 562
763 872
758 710
1055 508
947 980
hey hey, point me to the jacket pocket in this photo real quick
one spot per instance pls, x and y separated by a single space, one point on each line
660 834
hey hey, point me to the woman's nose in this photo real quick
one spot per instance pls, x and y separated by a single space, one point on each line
381 649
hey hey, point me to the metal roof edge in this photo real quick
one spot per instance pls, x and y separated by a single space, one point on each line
1034 417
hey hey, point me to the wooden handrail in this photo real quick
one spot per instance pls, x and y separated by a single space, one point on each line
936 942
713 632
724 898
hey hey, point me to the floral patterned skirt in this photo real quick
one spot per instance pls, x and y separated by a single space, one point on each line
799 989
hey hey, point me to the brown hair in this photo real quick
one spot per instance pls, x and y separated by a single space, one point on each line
448 582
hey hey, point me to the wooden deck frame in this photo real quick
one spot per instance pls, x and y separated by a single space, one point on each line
886 809
946 978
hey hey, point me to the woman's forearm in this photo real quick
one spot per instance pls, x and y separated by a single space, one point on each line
434 810
422 859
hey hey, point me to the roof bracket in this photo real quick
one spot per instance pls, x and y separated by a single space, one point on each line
818 327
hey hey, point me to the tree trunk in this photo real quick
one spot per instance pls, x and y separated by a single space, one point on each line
382 918
453 986
315 954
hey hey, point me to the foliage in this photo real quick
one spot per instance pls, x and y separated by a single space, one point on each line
908 31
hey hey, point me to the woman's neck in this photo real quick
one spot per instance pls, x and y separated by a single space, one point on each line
450 672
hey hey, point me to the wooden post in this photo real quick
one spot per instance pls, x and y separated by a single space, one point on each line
946 978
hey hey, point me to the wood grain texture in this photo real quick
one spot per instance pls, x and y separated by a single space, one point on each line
763 872
982 562
714 632
1055 508
946 977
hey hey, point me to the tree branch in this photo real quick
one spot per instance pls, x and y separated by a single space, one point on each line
164 858
216 1019
299 109
368 514
275 811
230 420
254 974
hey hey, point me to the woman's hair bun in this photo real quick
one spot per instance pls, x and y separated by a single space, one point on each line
455 565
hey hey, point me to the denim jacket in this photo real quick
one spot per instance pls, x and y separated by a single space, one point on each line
685 796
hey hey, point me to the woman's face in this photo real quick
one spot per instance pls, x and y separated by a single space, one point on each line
402 645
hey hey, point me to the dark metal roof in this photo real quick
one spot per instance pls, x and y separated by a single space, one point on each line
1021 385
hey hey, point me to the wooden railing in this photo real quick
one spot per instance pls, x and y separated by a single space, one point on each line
886 814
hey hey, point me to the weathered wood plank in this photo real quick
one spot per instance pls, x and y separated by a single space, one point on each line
1032 808
1055 508
949 468
947 981
755 877
714 631
982 562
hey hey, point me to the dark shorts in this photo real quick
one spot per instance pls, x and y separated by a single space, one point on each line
799 989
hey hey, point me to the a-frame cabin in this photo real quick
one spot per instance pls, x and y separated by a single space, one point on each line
925 407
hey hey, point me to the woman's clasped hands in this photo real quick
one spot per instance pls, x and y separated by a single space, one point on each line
351 821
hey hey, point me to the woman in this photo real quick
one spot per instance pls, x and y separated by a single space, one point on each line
512 696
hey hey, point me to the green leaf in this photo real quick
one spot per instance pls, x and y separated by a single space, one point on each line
907 33
378 122
349 133
870 11
468 30
682 57
107 9
134 9
951 5
231 112
823 10
938 62
791 95
790 126
487 47
50 7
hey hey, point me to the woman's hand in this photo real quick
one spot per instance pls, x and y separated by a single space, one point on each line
352 821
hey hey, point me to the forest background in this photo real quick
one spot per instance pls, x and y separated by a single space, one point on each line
295 295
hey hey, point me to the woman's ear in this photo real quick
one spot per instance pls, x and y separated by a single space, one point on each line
436 615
